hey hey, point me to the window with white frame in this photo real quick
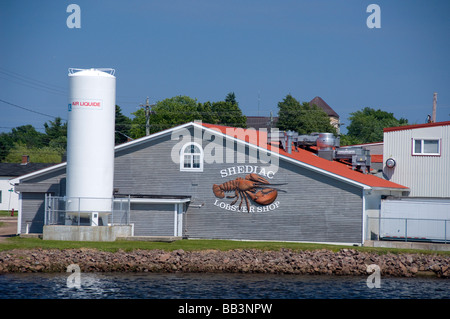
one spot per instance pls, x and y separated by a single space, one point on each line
191 157
426 146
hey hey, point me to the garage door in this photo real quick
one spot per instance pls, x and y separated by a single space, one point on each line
154 219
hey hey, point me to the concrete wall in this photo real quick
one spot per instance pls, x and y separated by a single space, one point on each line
86 233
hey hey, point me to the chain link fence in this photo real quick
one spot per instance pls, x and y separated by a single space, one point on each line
408 229
79 211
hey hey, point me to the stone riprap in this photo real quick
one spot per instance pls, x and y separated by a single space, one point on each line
285 261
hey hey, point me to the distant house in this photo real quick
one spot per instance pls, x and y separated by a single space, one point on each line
266 122
334 117
8 198
259 122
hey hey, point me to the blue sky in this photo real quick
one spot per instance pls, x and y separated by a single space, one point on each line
261 50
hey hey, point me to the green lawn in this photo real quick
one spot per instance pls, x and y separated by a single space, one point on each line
187 245
7 213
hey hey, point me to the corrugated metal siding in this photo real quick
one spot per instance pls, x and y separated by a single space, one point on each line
426 176
152 219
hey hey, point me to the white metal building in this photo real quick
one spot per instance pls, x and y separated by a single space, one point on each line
420 155
417 156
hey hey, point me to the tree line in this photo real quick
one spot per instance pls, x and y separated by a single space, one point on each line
365 126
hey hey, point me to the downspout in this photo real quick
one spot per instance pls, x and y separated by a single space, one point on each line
19 215
175 219
364 216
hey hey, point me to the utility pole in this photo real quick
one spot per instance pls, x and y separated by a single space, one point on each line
147 116
270 121
259 100
433 117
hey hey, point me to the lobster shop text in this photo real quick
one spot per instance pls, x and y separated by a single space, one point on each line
247 169
253 209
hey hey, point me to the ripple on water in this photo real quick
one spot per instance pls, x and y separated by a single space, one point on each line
216 286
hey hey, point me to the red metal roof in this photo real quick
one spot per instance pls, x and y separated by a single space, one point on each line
312 159
376 158
411 127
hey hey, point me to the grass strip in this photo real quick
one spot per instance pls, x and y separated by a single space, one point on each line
193 245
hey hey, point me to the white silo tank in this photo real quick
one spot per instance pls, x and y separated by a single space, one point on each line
90 140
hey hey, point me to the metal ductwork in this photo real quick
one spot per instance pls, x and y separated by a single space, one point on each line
325 145
359 156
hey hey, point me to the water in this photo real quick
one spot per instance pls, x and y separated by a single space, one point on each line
216 286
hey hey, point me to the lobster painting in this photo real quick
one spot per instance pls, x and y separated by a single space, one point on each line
252 186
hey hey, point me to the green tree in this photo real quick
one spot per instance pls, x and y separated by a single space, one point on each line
231 98
45 147
27 134
207 114
288 112
182 109
228 113
366 125
174 111
56 134
122 126
165 114
138 124
45 154
346 139
6 143
302 117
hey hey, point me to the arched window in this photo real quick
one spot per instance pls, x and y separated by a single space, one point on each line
191 157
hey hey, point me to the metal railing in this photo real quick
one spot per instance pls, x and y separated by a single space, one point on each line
79 211
408 229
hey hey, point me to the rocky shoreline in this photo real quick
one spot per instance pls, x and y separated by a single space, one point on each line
285 261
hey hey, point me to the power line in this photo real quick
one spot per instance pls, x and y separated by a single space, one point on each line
29 80
29 110
33 87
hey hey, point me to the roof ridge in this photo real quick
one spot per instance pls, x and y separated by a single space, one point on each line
414 126
333 167
301 156
324 106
